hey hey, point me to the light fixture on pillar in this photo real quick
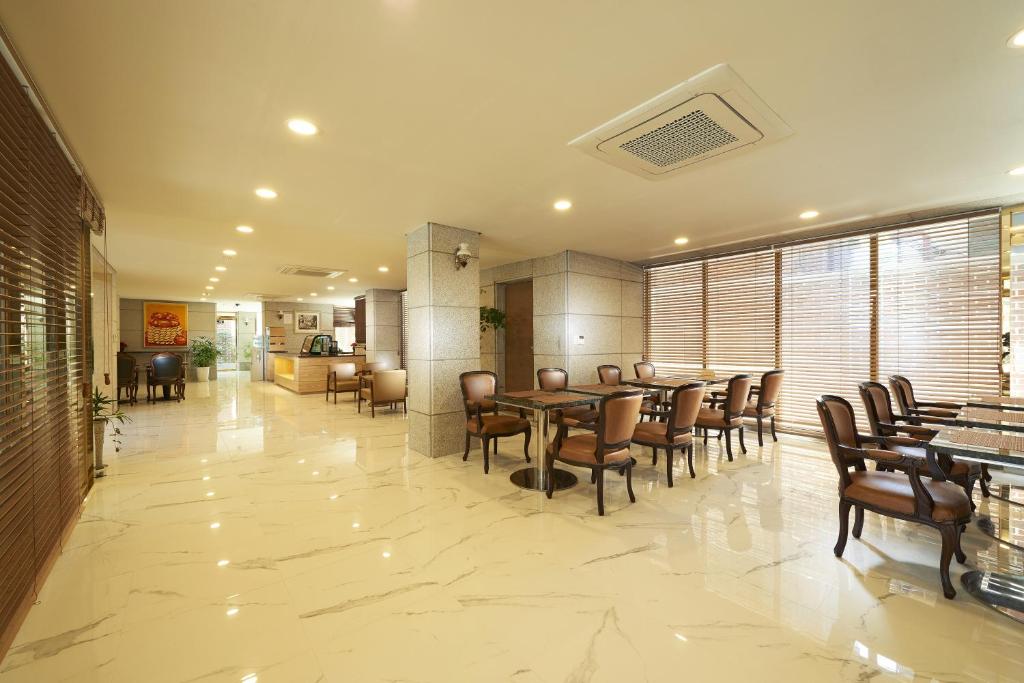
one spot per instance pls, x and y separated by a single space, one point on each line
462 255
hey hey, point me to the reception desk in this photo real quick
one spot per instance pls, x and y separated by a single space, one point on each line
308 374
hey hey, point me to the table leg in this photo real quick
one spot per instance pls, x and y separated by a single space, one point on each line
534 478
1007 492
1002 592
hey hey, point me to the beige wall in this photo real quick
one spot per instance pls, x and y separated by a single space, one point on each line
202 322
293 339
106 334
573 294
383 326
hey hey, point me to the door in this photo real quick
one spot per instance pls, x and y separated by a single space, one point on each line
519 336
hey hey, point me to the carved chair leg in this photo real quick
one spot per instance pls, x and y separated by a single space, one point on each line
593 475
772 423
760 427
958 551
705 430
465 456
728 444
629 482
949 533
526 444
858 521
984 480
668 466
487 455
969 490
600 490
844 525
743 447
689 461
549 468
654 456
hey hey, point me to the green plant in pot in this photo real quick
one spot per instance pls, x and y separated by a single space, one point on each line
104 413
491 318
204 354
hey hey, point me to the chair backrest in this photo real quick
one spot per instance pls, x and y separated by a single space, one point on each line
644 370
840 426
771 387
617 417
389 385
878 406
375 366
125 369
903 390
552 379
736 396
609 374
166 366
343 371
475 385
686 402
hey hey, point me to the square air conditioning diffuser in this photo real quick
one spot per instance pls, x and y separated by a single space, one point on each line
710 115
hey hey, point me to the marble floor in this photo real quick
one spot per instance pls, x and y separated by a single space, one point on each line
249 534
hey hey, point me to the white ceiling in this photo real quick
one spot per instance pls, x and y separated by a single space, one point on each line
459 112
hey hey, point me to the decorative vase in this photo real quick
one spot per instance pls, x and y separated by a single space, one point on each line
203 374
99 427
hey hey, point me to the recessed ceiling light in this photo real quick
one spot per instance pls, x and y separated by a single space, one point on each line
220 269
385 554
209 287
1017 39
563 205
383 269
681 240
265 193
809 214
223 563
215 525
353 279
330 288
214 279
229 252
302 126
232 611
312 293
299 299
244 229
1016 171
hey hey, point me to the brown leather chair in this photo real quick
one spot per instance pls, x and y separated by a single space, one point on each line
606 448
644 370
938 504
885 423
165 370
727 415
920 412
763 403
387 389
475 386
609 374
650 408
556 379
342 377
365 375
675 431
127 377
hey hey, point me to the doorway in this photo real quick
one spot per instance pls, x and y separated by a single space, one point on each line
519 335
227 351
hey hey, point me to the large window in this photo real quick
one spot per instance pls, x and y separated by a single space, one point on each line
922 301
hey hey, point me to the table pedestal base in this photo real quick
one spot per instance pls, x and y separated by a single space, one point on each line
532 478
1002 592
1008 493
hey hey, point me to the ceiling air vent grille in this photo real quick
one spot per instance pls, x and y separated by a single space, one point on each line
711 115
311 271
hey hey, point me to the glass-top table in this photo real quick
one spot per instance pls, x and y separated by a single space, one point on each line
999 402
1002 591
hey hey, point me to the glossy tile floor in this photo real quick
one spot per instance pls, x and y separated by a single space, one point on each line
248 534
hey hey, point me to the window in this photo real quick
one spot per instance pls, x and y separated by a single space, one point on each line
674 316
740 318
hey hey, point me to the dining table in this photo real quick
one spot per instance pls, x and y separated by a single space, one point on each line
999 402
1001 590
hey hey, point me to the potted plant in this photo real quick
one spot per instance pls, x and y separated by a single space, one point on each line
204 354
104 413
491 317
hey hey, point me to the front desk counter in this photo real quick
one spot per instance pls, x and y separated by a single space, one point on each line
308 374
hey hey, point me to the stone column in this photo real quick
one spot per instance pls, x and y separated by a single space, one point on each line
444 335
383 326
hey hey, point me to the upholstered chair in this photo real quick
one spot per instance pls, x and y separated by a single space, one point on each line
650 408
644 370
939 504
727 415
482 419
127 377
342 377
675 432
912 440
557 379
165 370
606 448
762 402
387 389
609 374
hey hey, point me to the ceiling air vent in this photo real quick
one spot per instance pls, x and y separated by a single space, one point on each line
311 271
713 114
261 296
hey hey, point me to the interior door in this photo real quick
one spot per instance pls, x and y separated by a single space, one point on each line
519 336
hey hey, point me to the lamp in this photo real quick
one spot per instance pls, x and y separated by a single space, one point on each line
462 255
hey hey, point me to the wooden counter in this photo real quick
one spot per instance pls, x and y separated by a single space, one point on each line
307 374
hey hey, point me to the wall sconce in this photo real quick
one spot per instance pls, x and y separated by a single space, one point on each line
462 256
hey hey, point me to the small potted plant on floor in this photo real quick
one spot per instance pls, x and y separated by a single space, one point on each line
103 413
204 354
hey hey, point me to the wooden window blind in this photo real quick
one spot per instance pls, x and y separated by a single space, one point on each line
45 456
674 317
826 320
938 307
740 315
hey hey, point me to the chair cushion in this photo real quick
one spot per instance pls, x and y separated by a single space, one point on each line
715 418
751 410
892 491
498 425
654 433
343 384
580 449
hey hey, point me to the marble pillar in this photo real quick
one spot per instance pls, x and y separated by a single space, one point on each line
383 326
444 335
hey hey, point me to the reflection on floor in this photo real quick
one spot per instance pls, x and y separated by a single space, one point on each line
250 534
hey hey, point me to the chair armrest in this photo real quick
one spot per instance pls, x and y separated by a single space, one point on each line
913 430
589 426
941 404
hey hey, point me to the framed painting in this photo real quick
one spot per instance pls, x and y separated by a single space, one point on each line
164 325
307 321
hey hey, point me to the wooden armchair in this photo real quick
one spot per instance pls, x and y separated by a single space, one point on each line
342 377
676 429
388 388
127 377
938 504
555 379
482 419
728 414
165 370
